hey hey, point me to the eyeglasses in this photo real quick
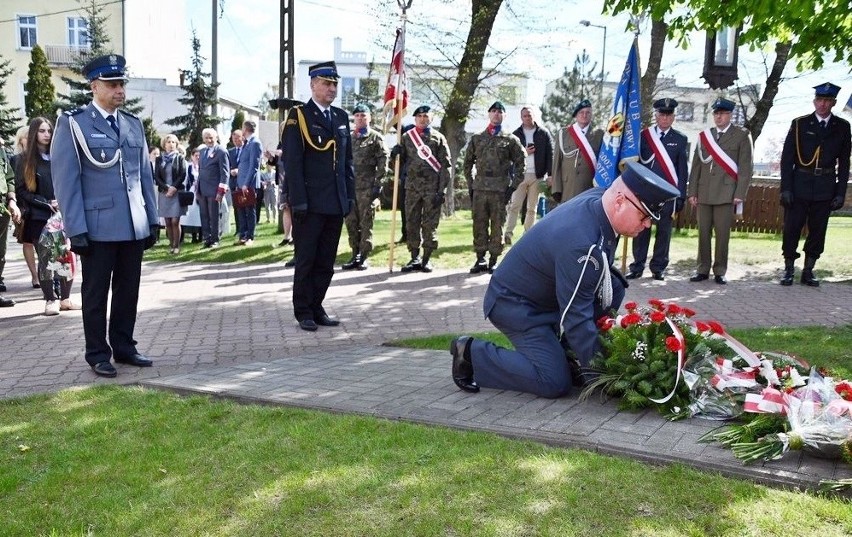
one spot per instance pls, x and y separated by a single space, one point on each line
645 215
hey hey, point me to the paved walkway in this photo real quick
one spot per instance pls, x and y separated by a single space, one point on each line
228 330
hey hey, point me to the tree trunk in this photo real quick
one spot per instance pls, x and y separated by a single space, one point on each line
659 32
470 67
755 122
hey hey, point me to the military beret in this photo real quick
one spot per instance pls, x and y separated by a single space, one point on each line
665 106
108 67
360 109
650 189
422 109
585 103
724 105
827 90
497 106
324 70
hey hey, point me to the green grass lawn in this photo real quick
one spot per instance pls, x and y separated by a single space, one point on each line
129 461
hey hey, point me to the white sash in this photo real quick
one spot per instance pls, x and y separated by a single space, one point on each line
719 156
583 145
653 139
423 150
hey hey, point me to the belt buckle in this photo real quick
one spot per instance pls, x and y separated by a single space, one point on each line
818 171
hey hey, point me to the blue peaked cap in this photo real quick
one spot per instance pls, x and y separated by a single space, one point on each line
108 67
827 90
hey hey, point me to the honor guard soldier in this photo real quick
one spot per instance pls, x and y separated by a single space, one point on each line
105 189
814 173
321 190
371 161
426 156
575 155
663 151
554 284
718 184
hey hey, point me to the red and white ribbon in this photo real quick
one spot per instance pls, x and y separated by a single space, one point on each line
653 140
708 142
423 150
583 145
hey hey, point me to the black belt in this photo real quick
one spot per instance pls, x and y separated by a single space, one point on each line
817 171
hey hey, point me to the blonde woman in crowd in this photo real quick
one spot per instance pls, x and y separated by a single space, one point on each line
169 176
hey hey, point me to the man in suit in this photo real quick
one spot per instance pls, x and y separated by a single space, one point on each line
663 151
718 183
814 173
213 173
233 163
575 155
552 287
104 185
320 179
247 180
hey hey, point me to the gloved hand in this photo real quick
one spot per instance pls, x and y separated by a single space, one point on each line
508 196
438 199
679 204
557 197
837 203
787 199
396 151
151 239
80 244
299 215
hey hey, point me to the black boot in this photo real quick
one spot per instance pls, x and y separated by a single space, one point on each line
353 263
480 265
426 266
415 264
808 273
492 263
789 271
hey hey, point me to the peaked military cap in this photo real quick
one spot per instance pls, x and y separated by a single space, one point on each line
652 190
108 67
497 106
724 105
324 70
827 90
666 106
360 108
585 103
422 109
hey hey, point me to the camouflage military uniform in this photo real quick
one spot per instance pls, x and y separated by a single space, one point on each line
424 191
371 160
500 159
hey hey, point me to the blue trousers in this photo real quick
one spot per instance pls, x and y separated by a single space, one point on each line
246 222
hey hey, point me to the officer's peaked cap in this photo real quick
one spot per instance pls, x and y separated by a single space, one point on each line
652 190
827 90
108 67
324 70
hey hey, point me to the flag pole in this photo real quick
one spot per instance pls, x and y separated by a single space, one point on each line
403 5
635 20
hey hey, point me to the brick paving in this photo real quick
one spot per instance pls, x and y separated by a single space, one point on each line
227 330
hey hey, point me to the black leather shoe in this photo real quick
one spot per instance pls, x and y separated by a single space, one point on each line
2 287
633 275
659 276
414 265
139 360
6 302
808 279
426 267
308 324
353 263
700 278
479 266
290 264
104 369
720 280
462 367
325 320
580 378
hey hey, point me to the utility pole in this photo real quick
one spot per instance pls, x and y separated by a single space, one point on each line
215 59
286 68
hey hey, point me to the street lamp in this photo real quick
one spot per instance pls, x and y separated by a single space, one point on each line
720 57
603 57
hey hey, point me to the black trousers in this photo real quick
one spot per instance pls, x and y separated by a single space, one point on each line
815 214
316 238
662 241
116 266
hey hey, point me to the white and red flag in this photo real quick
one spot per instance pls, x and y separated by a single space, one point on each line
396 92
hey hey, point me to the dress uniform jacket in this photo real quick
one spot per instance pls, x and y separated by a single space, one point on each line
808 176
571 173
571 249
709 182
112 203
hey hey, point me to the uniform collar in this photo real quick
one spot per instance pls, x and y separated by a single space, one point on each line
104 113
826 119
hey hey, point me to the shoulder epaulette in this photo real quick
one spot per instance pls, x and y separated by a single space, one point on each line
127 114
802 117
74 112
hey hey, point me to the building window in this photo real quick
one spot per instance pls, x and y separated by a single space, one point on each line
347 92
27 37
78 35
685 112
508 95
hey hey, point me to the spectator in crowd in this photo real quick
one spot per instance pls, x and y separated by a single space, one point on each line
28 249
576 153
170 177
190 222
234 159
270 192
212 183
539 161
250 156
9 212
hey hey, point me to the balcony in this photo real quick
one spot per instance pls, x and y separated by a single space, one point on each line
64 55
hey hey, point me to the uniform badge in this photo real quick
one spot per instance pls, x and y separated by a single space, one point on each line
103 155
591 259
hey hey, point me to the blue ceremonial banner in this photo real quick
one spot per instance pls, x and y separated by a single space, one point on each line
621 136
848 107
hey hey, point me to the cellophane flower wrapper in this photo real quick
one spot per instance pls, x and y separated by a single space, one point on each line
820 420
54 250
716 386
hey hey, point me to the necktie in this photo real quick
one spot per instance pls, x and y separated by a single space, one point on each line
113 124
663 135
719 135
327 115
822 123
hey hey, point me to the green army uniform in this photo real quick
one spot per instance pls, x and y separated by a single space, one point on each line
370 158
7 196
499 160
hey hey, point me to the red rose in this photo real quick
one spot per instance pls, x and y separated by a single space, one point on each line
630 306
673 344
701 326
608 323
716 327
658 316
844 389
630 319
673 309
657 304
688 312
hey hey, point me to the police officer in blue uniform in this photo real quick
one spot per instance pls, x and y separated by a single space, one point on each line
320 179
104 185
814 173
554 284
675 145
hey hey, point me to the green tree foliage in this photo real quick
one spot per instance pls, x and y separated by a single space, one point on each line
8 116
572 87
199 97
236 124
41 94
151 135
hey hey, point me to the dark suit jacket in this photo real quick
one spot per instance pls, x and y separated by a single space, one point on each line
232 165
178 173
213 173
320 175
834 145
676 145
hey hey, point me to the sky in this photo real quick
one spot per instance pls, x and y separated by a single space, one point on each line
545 40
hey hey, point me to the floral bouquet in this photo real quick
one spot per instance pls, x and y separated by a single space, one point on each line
54 250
